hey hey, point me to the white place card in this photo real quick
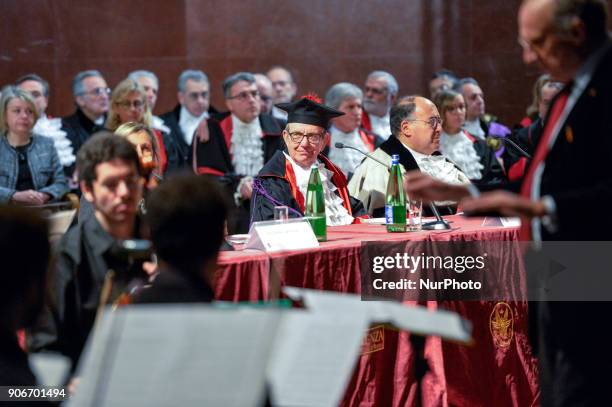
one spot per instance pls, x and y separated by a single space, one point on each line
273 236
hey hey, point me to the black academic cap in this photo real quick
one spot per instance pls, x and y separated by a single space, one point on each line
308 111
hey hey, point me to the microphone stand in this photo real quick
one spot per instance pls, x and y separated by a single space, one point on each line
438 224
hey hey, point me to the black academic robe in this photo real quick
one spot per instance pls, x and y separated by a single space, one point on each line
393 146
492 172
276 185
172 286
213 159
181 153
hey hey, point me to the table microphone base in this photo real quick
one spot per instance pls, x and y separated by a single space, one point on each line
436 225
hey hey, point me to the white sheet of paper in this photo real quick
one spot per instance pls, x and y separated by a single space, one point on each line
50 369
272 236
511 222
314 357
417 319
179 355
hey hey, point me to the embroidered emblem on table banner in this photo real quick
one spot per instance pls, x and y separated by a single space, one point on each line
374 340
501 324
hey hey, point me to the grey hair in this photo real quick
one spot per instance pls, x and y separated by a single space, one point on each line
340 91
403 110
594 15
135 75
191 74
392 85
36 78
77 82
464 81
235 78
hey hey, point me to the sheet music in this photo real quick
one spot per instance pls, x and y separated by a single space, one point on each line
179 355
415 319
314 356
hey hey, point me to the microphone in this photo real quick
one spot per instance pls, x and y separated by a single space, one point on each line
505 140
342 145
438 224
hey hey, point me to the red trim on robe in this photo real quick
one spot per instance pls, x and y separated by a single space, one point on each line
469 136
365 121
209 171
517 170
163 156
295 191
368 140
226 128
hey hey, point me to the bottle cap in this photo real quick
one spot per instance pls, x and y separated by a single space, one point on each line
395 159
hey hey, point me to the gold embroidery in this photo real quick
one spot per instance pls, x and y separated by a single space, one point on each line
374 340
502 325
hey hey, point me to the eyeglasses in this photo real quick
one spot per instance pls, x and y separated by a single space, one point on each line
136 104
312 138
433 121
97 92
243 96
198 95
265 98
376 91
534 44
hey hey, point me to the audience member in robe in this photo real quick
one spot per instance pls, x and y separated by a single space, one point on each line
528 138
150 83
30 169
186 218
380 93
189 118
346 129
129 104
441 80
475 158
284 87
110 179
478 123
241 142
284 179
416 128
266 92
91 96
45 125
24 249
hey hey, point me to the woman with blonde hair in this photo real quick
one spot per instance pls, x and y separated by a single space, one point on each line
473 156
143 138
30 169
129 104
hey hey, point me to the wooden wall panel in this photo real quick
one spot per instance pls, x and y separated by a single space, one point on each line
323 41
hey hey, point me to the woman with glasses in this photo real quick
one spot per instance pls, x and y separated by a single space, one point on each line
128 105
347 98
475 158
30 169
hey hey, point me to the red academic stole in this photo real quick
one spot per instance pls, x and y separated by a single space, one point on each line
540 155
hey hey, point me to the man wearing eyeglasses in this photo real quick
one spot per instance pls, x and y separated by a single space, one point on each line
91 95
241 142
284 89
284 179
380 93
416 128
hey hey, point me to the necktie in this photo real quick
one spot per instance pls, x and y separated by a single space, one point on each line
542 151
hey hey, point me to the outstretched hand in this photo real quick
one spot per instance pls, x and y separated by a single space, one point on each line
505 203
202 131
419 185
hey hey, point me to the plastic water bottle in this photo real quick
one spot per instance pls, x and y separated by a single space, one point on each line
315 205
395 202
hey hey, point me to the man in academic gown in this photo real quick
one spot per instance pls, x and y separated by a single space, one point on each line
284 179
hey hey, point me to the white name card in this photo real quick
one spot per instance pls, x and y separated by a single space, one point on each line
273 236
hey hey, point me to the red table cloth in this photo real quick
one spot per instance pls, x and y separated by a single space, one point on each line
498 369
